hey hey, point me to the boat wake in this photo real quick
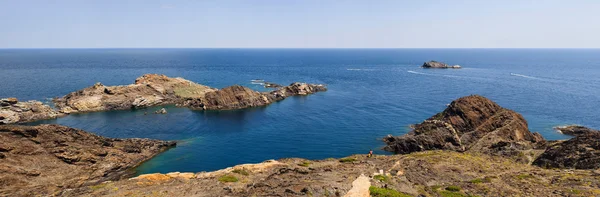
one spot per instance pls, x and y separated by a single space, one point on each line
360 69
524 76
258 81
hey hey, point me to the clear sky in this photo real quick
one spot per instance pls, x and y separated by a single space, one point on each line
300 24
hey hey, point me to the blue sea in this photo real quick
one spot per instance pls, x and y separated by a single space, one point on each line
372 93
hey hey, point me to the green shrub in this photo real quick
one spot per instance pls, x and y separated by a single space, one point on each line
384 192
444 193
228 179
453 188
240 171
380 177
345 160
484 180
304 164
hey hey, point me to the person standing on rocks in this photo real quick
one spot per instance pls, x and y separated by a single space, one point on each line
370 153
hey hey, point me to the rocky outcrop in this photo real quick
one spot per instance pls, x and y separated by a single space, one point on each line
580 152
434 64
575 130
46 159
148 90
14 111
239 97
473 123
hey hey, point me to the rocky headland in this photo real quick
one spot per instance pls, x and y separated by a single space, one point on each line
472 124
15 111
435 64
49 159
580 152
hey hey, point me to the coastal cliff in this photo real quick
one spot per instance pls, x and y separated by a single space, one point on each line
580 152
48 159
471 124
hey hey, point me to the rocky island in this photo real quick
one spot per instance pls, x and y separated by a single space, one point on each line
434 64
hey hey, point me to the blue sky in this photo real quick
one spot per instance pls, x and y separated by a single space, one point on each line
299 24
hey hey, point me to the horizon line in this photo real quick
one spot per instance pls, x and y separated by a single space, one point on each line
300 48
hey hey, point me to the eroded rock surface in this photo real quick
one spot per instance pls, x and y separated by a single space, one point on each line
473 123
47 159
14 111
148 90
239 97
580 152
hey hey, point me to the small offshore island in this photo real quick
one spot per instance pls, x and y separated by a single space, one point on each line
472 148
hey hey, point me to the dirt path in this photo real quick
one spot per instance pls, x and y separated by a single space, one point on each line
360 187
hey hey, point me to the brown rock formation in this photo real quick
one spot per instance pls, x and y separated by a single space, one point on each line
580 152
239 97
473 123
46 159
13 111
148 90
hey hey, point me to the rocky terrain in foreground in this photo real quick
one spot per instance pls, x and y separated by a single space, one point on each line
434 64
428 173
49 159
15 111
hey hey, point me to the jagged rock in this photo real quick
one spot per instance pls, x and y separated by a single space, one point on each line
473 123
44 159
434 64
12 111
161 111
272 85
580 152
239 97
575 130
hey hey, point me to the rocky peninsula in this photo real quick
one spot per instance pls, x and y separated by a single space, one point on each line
435 64
150 90
154 90
47 160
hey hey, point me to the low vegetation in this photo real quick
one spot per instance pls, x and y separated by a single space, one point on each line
348 159
453 188
384 192
228 179
304 164
382 178
241 171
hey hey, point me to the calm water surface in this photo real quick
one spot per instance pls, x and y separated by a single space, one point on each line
372 93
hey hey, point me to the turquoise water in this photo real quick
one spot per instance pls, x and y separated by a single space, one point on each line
372 93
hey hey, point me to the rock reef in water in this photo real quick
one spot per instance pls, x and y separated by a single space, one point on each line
579 152
470 124
239 97
46 159
14 111
148 90
434 64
